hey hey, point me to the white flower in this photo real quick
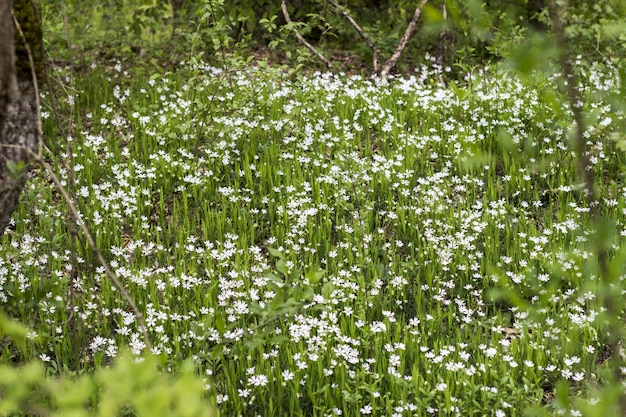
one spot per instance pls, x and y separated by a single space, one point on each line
258 380
569 361
491 352
378 327
394 360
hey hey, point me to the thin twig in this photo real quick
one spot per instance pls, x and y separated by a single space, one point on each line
95 248
71 176
402 44
301 39
90 241
360 31
53 103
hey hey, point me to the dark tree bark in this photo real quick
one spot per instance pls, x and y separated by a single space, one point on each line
18 101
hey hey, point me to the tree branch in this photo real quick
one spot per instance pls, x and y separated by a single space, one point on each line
301 39
360 31
405 39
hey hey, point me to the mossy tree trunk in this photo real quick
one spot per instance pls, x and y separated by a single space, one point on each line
18 104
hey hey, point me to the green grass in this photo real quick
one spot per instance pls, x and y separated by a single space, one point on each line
325 245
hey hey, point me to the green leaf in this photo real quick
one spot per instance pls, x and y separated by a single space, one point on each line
461 93
475 161
315 276
281 267
217 352
534 53
274 278
275 252
220 323
614 30
432 14
327 289
16 169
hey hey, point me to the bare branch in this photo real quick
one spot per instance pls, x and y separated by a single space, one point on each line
95 249
405 39
303 41
358 28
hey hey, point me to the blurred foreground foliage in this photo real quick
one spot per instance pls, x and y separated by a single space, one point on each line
128 387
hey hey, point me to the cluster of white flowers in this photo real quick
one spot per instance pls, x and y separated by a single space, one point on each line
340 246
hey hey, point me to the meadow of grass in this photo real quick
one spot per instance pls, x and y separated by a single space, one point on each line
325 244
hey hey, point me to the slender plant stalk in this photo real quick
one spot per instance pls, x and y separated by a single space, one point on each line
441 47
301 39
72 190
611 304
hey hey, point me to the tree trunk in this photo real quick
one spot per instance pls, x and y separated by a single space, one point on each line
18 103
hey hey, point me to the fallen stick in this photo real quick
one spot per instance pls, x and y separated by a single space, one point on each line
405 39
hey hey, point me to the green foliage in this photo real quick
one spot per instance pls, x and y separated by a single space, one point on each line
130 385
12 330
247 224
16 169
596 29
